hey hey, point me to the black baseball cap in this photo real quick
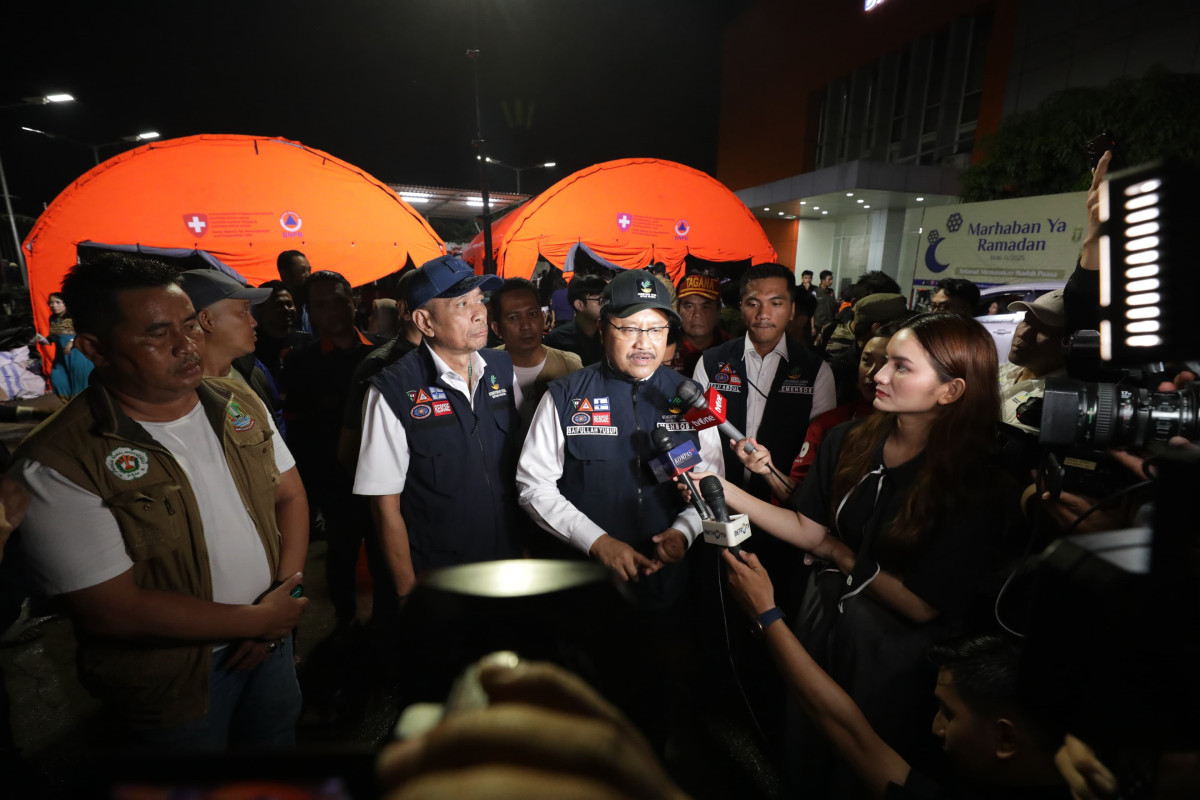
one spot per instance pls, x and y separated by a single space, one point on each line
207 286
636 290
446 276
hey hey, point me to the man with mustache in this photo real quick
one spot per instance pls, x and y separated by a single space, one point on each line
171 519
575 475
439 439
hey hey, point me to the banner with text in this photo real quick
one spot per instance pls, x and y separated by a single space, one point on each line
1027 240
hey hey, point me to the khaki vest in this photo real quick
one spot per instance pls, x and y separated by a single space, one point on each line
93 444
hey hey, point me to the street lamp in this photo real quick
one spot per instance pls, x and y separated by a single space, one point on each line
95 148
12 220
519 170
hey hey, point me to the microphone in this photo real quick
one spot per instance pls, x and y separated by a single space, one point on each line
724 531
689 392
673 461
714 495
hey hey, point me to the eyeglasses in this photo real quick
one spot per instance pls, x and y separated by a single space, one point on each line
628 333
942 306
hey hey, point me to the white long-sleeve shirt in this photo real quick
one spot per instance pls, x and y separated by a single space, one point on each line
541 466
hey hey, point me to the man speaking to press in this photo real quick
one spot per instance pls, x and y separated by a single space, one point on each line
586 472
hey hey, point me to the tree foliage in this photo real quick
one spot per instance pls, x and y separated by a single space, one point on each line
1043 151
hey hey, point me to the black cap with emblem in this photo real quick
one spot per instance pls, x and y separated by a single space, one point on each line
636 290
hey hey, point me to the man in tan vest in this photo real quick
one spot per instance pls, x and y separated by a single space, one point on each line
171 519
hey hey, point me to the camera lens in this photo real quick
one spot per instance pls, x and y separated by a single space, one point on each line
1103 415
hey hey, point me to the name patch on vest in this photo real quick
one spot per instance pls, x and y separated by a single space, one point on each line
790 386
127 463
242 421
591 430
675 425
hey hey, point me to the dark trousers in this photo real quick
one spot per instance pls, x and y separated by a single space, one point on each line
347 526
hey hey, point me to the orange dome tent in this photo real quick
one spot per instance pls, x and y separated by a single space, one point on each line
629 213
233 202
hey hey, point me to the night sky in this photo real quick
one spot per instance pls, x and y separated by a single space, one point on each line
384 85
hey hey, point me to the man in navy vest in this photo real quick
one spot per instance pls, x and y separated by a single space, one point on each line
772 384
585 472
439 448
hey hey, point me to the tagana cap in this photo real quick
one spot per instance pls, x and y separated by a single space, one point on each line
636 290
207 286
702 285
1049 308
446 276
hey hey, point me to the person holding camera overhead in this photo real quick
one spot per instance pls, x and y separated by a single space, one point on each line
907 514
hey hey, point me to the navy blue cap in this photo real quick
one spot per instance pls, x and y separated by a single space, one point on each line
446 276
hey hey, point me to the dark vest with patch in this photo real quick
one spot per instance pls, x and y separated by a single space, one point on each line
785 417
459 500
607 419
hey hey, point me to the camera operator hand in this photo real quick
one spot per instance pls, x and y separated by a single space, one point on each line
1068 508
1087 778
1089 258
546 734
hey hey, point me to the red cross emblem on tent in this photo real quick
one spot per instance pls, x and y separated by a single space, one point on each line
196 223
624 221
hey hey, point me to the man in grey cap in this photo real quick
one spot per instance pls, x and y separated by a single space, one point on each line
439 448
223 310
1036 354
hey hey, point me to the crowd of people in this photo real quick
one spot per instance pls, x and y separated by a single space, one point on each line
172 502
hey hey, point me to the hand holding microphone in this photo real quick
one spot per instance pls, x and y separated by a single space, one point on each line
675 462
722 530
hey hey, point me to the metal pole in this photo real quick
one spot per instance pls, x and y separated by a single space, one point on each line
12 222
489 263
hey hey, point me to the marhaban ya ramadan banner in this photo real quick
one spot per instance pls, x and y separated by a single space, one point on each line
1027 240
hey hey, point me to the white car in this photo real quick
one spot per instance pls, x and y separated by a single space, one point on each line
994 315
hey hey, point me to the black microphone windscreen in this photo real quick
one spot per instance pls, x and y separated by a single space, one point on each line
690 392
713 494
661 440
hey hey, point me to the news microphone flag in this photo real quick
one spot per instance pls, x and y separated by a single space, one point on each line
689 392
676 461
711 415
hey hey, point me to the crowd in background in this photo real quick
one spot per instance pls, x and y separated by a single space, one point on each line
441 418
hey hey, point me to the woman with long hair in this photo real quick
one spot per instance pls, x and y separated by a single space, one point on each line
71 368
906 514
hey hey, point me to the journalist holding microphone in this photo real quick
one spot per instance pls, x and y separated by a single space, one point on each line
908 515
